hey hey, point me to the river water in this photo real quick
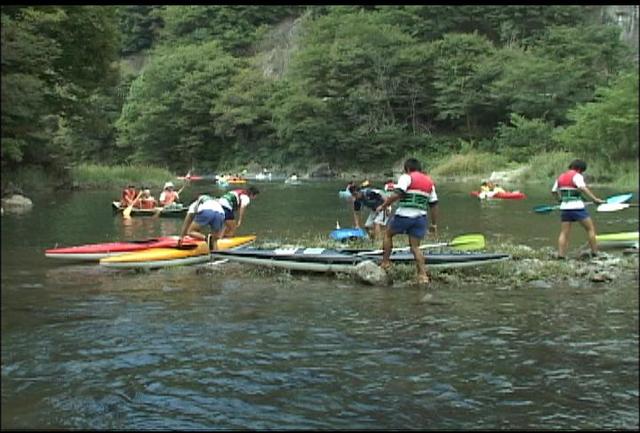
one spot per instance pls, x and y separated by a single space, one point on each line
85 347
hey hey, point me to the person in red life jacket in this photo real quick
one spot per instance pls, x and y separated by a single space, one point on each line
236 200
129 194
168 196
414 192
146 200
569 188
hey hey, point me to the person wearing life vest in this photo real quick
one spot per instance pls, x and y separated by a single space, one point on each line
236 200
168 196
415 192
146 200
204 211
129 194
370 198
569 189
389 186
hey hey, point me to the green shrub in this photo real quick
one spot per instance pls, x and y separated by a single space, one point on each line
103 176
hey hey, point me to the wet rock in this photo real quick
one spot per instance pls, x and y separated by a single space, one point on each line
601 277
370 273
17 203
540 284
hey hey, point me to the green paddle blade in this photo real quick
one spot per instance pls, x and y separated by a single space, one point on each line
545 208
469 242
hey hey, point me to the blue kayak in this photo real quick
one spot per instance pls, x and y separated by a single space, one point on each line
348 234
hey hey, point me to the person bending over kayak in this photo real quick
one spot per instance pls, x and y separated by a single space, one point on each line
205 211
415 191
237 199
370 198
568 189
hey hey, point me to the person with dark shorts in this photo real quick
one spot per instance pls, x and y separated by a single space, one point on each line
205 211
569 188
415 192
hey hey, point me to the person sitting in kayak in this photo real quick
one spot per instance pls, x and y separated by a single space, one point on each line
205 211
372 199
129 194
389 186
169 197
568 189
146 200
415 192
237 199
488 189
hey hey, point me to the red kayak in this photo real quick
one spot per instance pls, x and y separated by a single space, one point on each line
514 195
99 251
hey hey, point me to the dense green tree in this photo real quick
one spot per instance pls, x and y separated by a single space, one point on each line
167 118
606 128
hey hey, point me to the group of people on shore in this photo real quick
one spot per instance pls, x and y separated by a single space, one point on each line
417 210
415 215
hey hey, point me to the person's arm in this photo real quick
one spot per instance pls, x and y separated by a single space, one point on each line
185 226
240 215
433 216
356 218
388 201
591 195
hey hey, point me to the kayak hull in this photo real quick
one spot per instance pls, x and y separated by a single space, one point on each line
618 240
508 195
94 252
172 212
328 260
175 256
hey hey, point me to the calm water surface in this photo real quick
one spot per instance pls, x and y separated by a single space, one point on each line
219 348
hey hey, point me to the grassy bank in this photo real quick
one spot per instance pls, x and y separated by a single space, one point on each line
103 176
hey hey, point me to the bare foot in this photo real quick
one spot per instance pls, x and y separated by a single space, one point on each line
424 279
385 266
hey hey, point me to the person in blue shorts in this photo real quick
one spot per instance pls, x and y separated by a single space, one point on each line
205 211
568 189
415 192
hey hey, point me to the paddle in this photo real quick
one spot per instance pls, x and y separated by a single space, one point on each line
127 212
618 198
613 207
474 241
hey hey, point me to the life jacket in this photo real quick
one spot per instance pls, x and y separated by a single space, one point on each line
169 197
566 188
128 195
233 197
147 203
417 195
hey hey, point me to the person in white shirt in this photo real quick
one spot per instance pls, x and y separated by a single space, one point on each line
205 211
568 188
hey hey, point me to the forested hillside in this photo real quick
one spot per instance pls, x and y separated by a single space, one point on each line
208 87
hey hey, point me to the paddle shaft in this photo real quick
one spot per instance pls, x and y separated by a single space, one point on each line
127 212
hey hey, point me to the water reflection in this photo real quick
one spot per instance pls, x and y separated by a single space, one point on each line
224 348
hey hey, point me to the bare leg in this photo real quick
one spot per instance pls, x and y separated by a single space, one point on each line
420 262
591 233
563 239
229 228
387 245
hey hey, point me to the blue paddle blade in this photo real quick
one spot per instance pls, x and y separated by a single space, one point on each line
545 208
620 198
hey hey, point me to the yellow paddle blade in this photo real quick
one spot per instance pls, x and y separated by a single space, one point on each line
474 241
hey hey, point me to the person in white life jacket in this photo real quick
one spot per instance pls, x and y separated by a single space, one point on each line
414 192
569 188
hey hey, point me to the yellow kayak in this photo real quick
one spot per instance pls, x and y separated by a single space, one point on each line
174 256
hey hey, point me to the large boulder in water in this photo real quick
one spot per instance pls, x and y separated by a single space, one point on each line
16 203
370 273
